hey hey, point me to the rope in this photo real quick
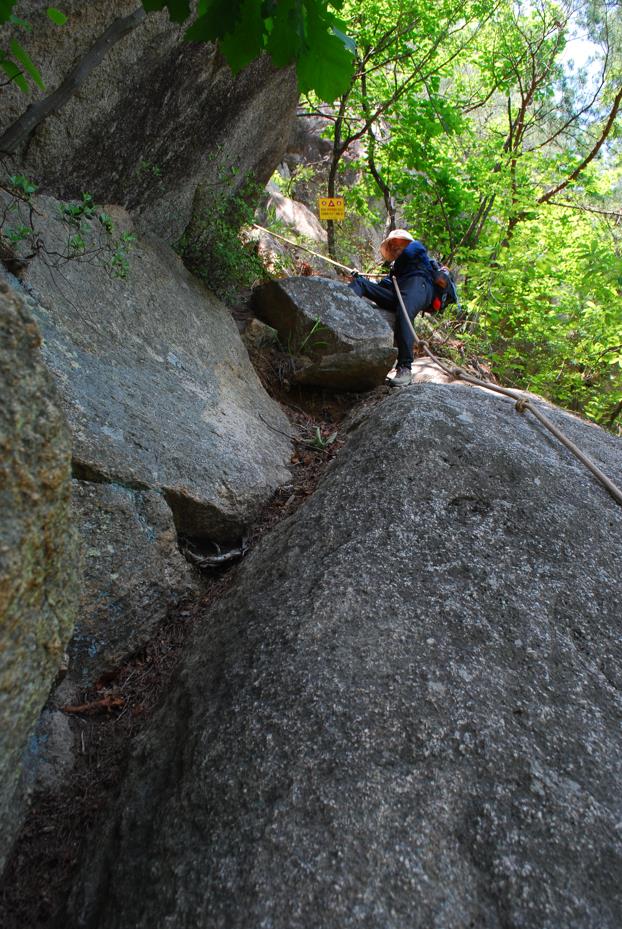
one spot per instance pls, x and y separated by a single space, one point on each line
311 252
521 404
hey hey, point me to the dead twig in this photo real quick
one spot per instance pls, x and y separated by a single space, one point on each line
107 703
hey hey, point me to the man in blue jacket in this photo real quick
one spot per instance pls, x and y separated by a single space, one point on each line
410 265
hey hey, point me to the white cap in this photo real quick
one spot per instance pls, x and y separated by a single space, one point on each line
400 235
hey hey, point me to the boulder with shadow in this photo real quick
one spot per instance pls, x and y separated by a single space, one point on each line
173 436
337 339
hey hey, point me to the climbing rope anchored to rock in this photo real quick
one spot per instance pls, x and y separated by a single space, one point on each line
521 404
310 251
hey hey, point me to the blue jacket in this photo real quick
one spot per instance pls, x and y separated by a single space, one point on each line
414 261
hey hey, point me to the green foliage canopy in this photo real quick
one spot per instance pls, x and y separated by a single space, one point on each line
306 32
473 129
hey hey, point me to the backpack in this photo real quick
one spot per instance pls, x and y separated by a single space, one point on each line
444 288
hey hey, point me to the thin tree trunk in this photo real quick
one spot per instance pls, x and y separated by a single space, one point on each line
371 160
338 150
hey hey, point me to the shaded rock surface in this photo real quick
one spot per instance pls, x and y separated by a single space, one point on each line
39 568
306 144
134 574
351 347
157 385
256 334
164 408
51 752
406 714
196 123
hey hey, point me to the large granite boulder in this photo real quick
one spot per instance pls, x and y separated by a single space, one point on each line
164 408
338 339
157 385
199 128
39 566
407 712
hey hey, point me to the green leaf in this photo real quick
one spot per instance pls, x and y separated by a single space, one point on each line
349 43
14 74
178 10
77 243
219 19
288 30
244 44
286 40
57 16
327 66
23 183
26 62
16 235
6 10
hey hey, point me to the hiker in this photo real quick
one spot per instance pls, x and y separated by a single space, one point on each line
411 267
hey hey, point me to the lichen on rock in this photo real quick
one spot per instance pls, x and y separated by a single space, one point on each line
39 564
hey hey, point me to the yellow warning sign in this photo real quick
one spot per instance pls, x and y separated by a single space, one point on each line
332 207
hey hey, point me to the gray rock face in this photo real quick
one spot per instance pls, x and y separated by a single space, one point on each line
134 574
294 214
157 385
172 430
406 714
306 144
51 752
38 551
196 120
352 349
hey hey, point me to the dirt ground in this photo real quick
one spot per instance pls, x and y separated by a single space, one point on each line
39 875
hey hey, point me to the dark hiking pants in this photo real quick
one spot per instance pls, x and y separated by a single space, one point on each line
417 294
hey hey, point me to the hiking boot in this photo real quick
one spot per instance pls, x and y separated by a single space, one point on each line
402 376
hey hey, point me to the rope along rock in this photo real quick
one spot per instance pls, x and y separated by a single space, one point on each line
521 405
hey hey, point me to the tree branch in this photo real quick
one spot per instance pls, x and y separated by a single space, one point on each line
371 160
36 113
591 154
585 209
